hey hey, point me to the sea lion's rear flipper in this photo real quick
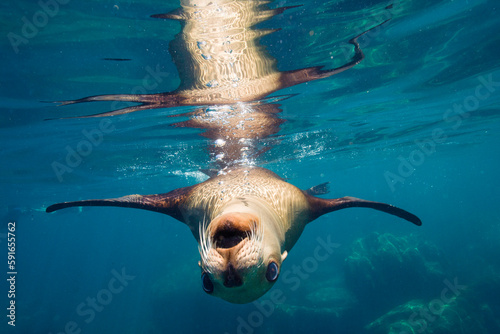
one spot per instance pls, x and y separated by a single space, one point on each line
320 189
320 206
210 172
163 203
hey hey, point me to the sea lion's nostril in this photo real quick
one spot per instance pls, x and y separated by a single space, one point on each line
232 278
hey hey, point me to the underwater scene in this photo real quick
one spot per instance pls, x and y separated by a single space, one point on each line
245 166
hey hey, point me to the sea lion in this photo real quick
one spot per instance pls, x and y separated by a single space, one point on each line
245 220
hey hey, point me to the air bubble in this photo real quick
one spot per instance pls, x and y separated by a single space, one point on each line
220 142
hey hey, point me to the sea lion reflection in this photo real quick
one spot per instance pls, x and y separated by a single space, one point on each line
220 60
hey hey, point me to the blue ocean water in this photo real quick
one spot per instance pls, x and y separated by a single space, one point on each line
415 124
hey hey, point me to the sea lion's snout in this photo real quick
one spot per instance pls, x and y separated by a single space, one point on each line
231 233
233 262
231 237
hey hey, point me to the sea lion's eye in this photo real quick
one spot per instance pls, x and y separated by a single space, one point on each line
272 271
207 284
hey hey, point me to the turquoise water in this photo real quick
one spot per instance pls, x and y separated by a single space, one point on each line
416 124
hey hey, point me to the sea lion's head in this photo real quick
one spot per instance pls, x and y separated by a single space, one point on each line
239 260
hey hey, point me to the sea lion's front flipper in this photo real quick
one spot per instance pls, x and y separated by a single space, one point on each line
163 203
320 206
146 101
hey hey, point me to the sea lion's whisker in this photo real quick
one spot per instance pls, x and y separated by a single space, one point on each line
257 235
205 245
